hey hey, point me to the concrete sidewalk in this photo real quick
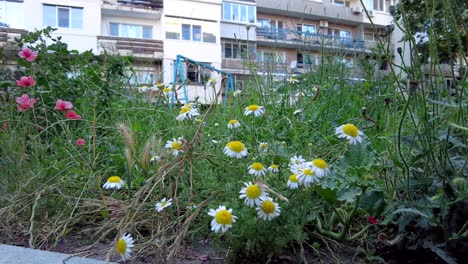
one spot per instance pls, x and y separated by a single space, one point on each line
20 255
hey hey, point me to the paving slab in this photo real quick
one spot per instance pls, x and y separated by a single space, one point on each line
21 255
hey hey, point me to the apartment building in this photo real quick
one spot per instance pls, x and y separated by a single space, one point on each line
304 31
238 36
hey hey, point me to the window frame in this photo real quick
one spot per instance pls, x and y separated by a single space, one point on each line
70 16
232 12
119 30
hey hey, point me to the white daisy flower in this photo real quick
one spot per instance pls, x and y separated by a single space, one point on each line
252 193
350 132
124 246
268 209
320 167
257 169
263 147
254 109
175 146
167 91
273 168
223 219
306 175
155 158
235 149
298 111
237 93
296 160
113 182
187 112
293 182
233 124
293 80
163 204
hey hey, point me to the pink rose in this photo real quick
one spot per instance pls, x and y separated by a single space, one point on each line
28 54
70 114
5 126
24 102
80 142
26 81
63 105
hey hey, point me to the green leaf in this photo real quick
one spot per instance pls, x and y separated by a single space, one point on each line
410 210
373 202
358 155
349 195
327 194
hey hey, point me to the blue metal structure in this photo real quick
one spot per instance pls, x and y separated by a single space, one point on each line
179 71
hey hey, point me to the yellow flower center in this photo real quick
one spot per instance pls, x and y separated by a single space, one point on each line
257 166
268 207
223 217
308 172
121 246
184 110
114 179
253 191
320 163
176 145
235 146
274 166
351 130
163 204
253 107
293 178
263 145
233 122
167 89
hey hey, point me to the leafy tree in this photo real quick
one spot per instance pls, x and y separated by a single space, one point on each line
443 20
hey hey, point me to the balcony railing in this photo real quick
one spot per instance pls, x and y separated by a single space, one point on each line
145 48
146 4
297 38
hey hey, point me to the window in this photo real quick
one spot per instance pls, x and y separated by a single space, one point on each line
235 12
141 76
342 3
196 33
271 57
306 59
186 31
175 30
345 61
307 30
63 16
12 13
131 31
378 5
197 73
237 50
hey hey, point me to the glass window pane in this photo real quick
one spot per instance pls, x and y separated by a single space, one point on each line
227 50
63 17
252 14
130 31
172 35
49 15
77 17
196 33
227 11
114 29
243 13
185 32
235 12
147 32
208 37
235 51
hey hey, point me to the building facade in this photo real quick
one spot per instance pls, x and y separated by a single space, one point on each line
239 36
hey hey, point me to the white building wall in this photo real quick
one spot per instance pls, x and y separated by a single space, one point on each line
80 39
205 13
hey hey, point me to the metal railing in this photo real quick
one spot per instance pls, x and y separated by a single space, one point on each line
309 38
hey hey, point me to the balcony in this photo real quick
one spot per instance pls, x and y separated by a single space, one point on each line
238 66
310 10
288 38
149 9
149 49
